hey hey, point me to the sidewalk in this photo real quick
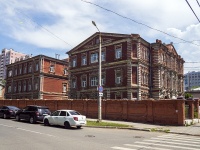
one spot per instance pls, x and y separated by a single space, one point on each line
193 130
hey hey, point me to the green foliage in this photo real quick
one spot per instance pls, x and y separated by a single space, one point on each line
105 124
188 95
195 113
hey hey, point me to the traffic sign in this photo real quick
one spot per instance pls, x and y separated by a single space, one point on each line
101 89
100 94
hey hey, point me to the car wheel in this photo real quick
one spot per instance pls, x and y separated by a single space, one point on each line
4 116
46 122
79 127
32 120
67 125
17 118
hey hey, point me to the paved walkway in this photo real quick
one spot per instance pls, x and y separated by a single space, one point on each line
187 130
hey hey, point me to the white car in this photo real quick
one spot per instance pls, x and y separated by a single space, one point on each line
66 118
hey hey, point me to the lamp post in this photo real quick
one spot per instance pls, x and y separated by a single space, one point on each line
99 103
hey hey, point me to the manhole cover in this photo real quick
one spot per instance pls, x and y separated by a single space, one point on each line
89 136
138 137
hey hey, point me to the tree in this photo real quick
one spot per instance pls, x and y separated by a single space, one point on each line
188 95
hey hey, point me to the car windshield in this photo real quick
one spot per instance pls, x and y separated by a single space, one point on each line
12 107
74 112
43 110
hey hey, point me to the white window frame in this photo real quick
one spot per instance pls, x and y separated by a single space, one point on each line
94 57
9 89
84 82
118 79
118 53
29 86
65 71
93 81
10 73
51 68
74 62
103 54
36 67
84 60
64 87
73 83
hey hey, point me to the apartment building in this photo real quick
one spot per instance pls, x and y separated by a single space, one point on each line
132 68
39 77
191 80
8 56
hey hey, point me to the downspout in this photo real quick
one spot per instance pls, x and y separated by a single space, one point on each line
150 72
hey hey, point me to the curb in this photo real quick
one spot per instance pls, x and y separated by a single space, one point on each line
138 129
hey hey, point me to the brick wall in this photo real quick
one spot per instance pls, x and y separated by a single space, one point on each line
167 112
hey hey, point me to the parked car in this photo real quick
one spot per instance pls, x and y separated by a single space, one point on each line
32 113
66 118
8 111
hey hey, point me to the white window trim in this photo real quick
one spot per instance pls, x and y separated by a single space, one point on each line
94 57
118 53
94 81
84 60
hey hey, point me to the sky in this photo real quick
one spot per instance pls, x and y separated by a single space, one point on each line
52 27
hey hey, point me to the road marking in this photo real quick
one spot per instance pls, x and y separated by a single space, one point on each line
177 143
148 147
27 130
178 140
188 138
122 148
147 143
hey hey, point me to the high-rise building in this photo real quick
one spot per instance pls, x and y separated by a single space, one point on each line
8 56
191 80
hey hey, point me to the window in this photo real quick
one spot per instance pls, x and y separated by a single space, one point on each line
83 60
15 87
30 68
29 85
20 70
63 113
74 62
64 88
15 71
93 81
84 81
94 57
65 71
19 86
24 86
56 113
103 80
24 69
9 88
36 85
118 52
51 69
118 78
9 73
36 67
102 56
73 83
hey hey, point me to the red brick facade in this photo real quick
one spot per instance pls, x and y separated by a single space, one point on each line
132 68
39 77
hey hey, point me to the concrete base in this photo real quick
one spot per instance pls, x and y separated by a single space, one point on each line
189 122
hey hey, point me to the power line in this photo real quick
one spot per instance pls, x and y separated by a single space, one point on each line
192 10
198 3
41 26
138 22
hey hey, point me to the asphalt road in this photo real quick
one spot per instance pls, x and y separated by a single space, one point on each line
24 136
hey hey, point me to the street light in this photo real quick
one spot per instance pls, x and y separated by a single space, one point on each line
99 103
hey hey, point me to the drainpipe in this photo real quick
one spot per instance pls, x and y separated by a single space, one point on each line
150 72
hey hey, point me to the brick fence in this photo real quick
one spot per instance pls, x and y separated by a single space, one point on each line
166 112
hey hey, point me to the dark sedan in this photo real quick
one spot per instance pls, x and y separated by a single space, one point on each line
8 111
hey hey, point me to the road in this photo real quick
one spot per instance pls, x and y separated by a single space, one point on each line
22 136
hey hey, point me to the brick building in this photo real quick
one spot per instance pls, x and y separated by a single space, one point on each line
132 68
39 77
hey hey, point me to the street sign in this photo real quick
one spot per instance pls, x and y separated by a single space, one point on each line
100 94
100 89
